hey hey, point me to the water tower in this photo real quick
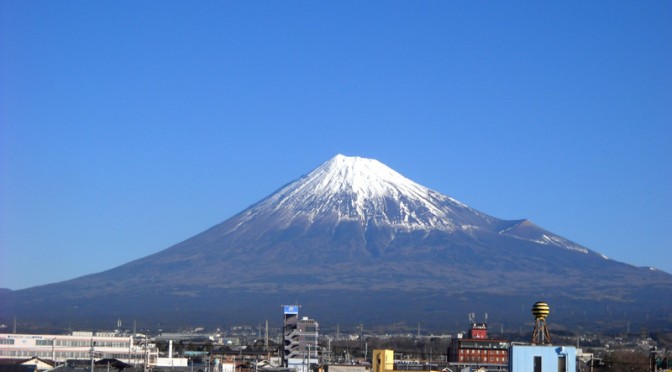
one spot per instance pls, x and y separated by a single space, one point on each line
540 335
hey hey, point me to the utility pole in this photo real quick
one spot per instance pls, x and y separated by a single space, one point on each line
361 337
146 367
91 354
268 352
329 351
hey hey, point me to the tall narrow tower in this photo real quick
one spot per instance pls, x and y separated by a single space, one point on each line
300 348
290 333
540 335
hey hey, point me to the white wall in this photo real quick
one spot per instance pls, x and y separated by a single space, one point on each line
172 362
521 357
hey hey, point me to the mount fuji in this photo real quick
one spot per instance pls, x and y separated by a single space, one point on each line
354 241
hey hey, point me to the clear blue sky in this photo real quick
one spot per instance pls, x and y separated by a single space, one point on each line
126 127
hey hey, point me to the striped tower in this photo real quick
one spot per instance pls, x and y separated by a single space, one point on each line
540 335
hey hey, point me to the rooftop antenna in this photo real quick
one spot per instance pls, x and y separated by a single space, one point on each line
472 318
486 317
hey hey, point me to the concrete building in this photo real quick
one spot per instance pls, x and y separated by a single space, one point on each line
383 361
78 346
542 358
290 334
300 349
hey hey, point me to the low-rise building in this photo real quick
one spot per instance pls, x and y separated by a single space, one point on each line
477 350
80 346
383 361
538 358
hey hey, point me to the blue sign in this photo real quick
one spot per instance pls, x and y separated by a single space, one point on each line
291 309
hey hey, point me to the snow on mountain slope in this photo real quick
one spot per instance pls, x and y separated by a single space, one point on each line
365 190
527 230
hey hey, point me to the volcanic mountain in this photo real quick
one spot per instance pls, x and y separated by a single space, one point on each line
354 241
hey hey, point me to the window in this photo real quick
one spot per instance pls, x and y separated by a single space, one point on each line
7 341
537 364
44 342
562 363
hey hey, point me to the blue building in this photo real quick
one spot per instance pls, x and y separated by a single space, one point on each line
542 358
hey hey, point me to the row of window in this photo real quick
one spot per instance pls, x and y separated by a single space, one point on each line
483 345
84 343
42 354
481 359
24 353
483 352
71 343
65 355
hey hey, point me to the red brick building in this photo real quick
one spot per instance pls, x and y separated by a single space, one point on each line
479 350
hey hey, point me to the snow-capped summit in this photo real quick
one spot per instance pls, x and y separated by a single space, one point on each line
380 202
365 190
367 178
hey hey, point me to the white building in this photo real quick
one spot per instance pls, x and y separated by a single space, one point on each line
80 345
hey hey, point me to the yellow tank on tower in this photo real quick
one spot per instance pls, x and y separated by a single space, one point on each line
540 310
540 335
